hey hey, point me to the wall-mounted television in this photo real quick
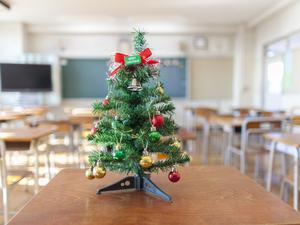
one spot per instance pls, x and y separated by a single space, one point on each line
25 77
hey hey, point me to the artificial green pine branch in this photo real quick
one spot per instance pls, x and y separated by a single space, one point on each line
127 119
139 41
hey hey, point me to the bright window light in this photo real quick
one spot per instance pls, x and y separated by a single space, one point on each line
275 72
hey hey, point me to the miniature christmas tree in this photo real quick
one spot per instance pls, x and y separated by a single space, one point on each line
135 133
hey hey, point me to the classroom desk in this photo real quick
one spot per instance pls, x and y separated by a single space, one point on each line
81 118
205 195
243 125
226 121
10 116
24 112
289 140
229 124
34 111
20 139
62 123
76 120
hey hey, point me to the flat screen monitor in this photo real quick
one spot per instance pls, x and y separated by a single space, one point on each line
25 77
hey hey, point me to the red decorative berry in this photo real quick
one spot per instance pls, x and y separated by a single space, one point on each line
174 176
158 120
93 130
105 101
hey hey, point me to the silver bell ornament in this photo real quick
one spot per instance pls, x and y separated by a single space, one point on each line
135 85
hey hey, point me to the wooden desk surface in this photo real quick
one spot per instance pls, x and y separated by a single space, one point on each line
285 138
226 120
25 134
35 111
81 118
27 111
8 116
230 121
205 195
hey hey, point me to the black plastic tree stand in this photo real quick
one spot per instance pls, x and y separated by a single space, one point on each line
141 183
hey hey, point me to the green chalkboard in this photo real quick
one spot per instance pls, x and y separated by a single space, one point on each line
173 75
86 78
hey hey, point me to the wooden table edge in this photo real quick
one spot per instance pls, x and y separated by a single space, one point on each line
271 137
26 139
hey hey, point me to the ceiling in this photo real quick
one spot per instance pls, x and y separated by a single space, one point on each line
129 13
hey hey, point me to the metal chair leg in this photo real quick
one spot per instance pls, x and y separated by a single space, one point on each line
243 162
33 147
47 165
282 187
4 183
270 166
205 143
244 145
52 163
295 180
284 191
227 158
256 167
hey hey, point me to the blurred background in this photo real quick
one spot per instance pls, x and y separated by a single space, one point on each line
218 52
219 59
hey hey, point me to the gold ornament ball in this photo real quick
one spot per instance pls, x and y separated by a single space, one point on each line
160 90
89 174
177 144
99 172
146 162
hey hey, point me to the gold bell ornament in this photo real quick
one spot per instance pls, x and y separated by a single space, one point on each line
99 171
146 160
135 85
89 174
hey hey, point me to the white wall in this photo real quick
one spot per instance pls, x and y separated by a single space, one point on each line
11 41
211 78
22 44
242 90
103 45
279 25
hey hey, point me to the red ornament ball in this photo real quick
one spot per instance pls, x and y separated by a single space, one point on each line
158 120
93 130
174 176
105 101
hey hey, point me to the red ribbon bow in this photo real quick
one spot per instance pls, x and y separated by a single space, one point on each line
120 58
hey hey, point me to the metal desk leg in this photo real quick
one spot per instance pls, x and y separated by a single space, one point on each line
227 157
79 147
205 142
71 137
4 183
244 144
295 179
270 165
33 147
47 164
